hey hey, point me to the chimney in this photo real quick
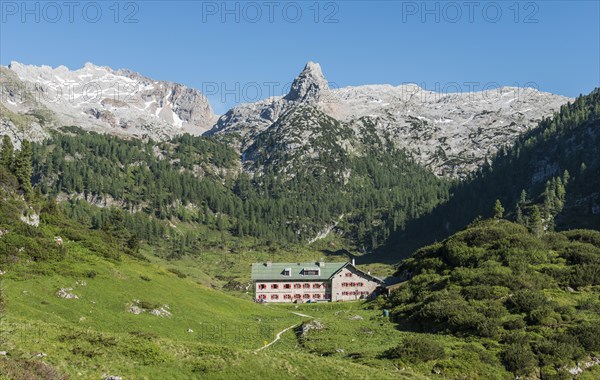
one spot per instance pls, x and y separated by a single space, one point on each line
353 264
268 264
321 263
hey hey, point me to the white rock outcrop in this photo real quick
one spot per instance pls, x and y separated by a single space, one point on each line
451 133
98 98
66 293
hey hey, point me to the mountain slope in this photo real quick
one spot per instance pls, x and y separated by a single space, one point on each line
533 298
451 134
556 167
97 98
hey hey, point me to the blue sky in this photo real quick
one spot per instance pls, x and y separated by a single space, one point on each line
552 45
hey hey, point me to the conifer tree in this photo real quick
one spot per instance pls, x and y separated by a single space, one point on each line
520 219
22 167
498 210
6 155
535 221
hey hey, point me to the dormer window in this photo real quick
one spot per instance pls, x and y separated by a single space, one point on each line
310 271
287 272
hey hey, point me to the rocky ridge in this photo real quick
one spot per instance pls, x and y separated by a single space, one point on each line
452 133
101 99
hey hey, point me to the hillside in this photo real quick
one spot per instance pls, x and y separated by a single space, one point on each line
197 180
531 299
555 167
84 302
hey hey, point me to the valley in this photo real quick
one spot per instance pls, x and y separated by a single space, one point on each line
128 256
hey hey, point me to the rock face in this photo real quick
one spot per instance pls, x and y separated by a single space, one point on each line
98 98
309 85
449 133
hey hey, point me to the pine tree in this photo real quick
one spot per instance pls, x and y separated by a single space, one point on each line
535 221
566 177
6 155
22 167
520 219
523 198
498 210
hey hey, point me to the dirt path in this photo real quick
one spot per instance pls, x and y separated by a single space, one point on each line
278 336
301 315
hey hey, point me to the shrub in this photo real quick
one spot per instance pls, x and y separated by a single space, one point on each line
416 349
589 303
586 236
526 301
559 350
484 292
519 359
581 253
177 272
91 274
585 275
459 254
148 305
514 324
588 335
544 316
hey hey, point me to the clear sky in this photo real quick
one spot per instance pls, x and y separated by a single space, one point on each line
241 51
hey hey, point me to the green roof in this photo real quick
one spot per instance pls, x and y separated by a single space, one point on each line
274 271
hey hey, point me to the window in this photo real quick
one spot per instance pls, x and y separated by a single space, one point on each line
297 296
353 284
324 286
306 286
287 296
344 293
316 286
306 296
262 297
310 272
359 284
297 286
262 286
274 296
274 286
344 284
348 274
316 296
287 286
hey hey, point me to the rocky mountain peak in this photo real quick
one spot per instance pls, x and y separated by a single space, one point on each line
99 98
308 85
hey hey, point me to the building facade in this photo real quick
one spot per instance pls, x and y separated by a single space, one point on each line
312 282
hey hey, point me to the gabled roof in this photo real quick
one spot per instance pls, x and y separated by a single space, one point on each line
274 271
367 275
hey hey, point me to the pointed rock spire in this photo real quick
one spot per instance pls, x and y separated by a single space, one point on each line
308 85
